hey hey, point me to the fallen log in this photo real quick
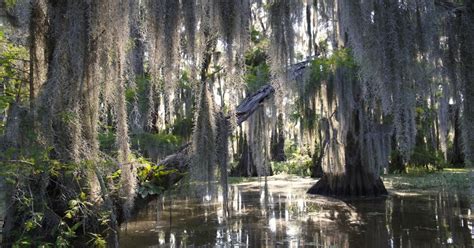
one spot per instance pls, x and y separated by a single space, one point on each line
181 159
252 103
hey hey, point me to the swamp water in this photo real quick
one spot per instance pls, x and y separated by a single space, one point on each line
279 213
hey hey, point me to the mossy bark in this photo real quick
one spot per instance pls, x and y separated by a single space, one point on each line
278 141
355 179
246 166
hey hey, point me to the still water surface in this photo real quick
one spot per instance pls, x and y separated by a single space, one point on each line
280 214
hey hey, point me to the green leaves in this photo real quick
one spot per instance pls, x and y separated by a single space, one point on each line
34 222
162 143
77 207
258 71
153 179
323 67
10 3
450 179
66 233
148 188
97 241
13 72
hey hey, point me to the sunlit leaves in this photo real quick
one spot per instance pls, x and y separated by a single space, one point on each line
153 178
13 74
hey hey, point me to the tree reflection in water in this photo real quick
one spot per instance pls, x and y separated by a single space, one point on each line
280 213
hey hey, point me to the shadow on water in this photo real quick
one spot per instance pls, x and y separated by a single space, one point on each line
280 213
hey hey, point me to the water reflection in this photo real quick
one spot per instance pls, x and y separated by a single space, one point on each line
280 213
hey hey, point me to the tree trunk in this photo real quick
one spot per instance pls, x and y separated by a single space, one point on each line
356 182
456 159
317 160
467 74
396 163
38 43
246 166
317 170
278 141
137 51
68 114
354 179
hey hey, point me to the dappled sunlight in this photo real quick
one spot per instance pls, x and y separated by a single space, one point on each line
236 123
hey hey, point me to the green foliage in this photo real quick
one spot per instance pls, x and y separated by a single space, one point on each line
107 140
255 36
153 179
66 233
67 230
258 71
256 62
298 162
35 220
10 3
237 180
97 241
13 73
23 170
182 127
323 67
77 206
67 116
140 93
427 158
115 176
185 81
161 140
423 179
292 167
257 77
156 145
424 154
20 164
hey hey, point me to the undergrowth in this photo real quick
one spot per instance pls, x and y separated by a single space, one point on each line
448 178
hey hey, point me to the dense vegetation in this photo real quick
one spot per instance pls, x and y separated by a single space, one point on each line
95 96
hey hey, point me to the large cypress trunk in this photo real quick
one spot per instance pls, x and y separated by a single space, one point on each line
352 178
355 140
355 182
